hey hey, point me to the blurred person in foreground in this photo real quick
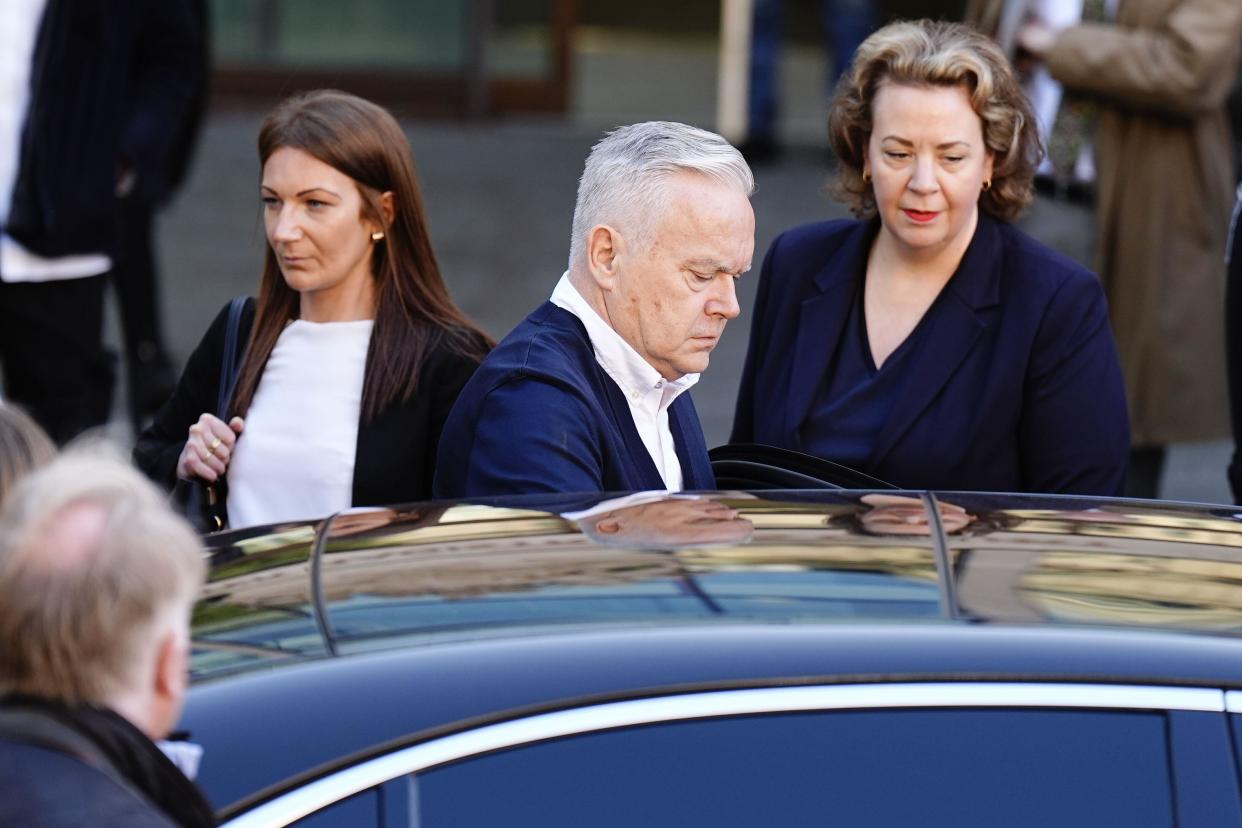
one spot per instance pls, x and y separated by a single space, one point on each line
354 349
88 90
1157 74
24 447
97 580
589 393
930 343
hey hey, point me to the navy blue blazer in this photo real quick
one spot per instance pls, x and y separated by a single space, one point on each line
541 415
1017 386
111 85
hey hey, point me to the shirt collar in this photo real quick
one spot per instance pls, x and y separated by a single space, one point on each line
629 370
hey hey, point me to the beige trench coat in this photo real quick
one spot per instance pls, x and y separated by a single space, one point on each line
1164 157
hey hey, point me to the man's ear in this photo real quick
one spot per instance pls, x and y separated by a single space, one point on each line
604 248
171 665
608 526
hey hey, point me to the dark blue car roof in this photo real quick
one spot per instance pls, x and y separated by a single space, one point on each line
322 640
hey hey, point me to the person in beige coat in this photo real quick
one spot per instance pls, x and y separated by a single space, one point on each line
1160 73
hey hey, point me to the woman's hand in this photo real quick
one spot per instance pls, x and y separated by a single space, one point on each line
208 448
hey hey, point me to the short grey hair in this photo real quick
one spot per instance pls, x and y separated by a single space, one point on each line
626 171
79 617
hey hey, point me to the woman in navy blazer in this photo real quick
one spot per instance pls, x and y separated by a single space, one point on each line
930 343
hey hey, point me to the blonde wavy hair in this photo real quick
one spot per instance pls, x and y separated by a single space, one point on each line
937 53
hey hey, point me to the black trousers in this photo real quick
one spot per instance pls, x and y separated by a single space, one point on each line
136 282
52 353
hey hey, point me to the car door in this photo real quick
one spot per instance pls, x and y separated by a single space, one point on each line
952 754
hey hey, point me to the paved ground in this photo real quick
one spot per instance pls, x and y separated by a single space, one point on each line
500 198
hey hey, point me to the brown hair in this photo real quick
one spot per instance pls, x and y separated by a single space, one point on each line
24 447
413 309
936 53
80 614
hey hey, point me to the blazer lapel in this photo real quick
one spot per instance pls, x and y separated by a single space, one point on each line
821 319
957 325
637 456
696 468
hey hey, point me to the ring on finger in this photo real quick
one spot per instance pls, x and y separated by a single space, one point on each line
212 448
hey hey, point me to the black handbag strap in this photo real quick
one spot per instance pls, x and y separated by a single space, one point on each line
231 359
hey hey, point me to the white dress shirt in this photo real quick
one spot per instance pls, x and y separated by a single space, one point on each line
648 393
295 458
19 27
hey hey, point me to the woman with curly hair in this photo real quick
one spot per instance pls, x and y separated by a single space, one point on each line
929 342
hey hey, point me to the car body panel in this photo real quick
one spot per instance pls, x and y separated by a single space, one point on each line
319 644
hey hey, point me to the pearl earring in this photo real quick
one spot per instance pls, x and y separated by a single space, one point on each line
377 235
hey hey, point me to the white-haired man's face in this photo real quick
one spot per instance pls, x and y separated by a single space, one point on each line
669 296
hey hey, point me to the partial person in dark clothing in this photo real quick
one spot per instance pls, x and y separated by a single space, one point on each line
355 350
135 275
97 579
87 88
1233 339
932 344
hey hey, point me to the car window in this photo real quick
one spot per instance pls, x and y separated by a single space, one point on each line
1076 561
959 767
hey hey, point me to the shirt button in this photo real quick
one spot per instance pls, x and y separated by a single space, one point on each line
634 395
660 384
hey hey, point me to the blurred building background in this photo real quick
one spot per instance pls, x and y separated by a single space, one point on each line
502 99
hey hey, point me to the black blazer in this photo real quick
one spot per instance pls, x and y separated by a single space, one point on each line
1017 386
395 457
111 84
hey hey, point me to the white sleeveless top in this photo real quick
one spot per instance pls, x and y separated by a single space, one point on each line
295 458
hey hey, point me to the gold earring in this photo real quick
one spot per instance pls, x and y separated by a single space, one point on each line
377 235
987 185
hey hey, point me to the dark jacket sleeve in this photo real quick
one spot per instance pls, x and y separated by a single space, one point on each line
756 353
531 435
160 444
1074 433
1233 340
446 375
169 81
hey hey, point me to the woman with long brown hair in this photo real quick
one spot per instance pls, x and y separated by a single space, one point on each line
354 351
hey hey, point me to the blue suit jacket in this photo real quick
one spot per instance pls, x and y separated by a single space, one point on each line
540 415
1017 386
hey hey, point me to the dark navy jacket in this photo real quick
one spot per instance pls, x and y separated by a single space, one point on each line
1016 387
111 84
541 415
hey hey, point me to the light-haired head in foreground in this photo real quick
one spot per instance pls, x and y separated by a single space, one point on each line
97 579
24 447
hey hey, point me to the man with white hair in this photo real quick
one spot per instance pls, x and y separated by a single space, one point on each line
97 578
589 392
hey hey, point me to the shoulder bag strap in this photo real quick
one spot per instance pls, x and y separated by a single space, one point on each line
231 359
